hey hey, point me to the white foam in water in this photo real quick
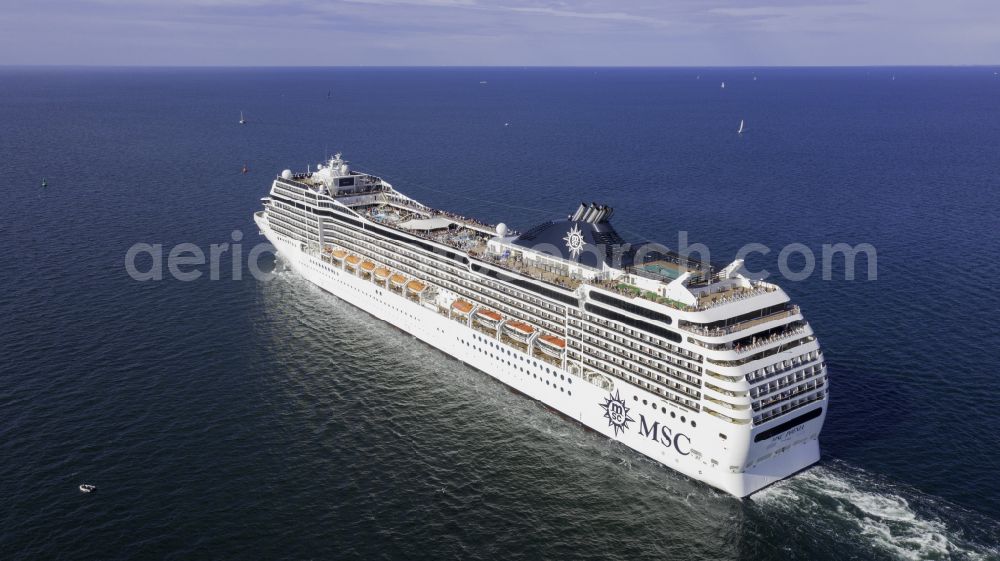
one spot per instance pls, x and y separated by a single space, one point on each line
880 514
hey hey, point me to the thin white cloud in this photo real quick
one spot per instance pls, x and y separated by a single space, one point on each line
428 3
606 16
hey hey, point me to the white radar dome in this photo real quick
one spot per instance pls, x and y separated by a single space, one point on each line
286 174
502 230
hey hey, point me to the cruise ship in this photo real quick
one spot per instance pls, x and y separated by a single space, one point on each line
707 371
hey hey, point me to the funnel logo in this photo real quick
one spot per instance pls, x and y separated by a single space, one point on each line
574 241
616 413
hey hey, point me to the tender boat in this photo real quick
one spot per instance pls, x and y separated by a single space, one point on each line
519 329
488 318
552 345
416 286
462 307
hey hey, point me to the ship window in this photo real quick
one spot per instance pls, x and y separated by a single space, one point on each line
673 415
683 420
694 424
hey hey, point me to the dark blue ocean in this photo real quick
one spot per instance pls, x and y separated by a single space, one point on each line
242 419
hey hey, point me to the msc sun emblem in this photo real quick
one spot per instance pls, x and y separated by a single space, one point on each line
574 241
616 413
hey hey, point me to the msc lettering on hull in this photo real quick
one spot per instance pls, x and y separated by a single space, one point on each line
665 436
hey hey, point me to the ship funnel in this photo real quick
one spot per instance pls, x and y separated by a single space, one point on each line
592 214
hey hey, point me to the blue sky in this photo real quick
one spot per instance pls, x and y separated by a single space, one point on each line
499 32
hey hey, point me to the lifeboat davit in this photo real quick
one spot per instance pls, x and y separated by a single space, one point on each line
461 306
488 318
551 345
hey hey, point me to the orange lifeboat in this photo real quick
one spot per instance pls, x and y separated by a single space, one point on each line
353 259
381 273
552 345
416 286
461 306
339 254
368 266
397 279
488 317
520 328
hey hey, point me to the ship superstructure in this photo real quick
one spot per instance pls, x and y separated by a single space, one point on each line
707 371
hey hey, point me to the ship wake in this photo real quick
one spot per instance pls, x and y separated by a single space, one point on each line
848 503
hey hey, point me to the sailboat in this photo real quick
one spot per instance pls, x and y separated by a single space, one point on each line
742 129
243 120
723 85
44 183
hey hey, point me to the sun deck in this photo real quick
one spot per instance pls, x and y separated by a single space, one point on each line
380 203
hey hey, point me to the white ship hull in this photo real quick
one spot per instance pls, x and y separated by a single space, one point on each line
695 451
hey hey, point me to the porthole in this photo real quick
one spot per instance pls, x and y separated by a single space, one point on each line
673 415
683 420
693 424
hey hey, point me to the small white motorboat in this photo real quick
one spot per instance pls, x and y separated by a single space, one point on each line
86 488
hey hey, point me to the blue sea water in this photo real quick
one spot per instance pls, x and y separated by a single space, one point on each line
246 419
